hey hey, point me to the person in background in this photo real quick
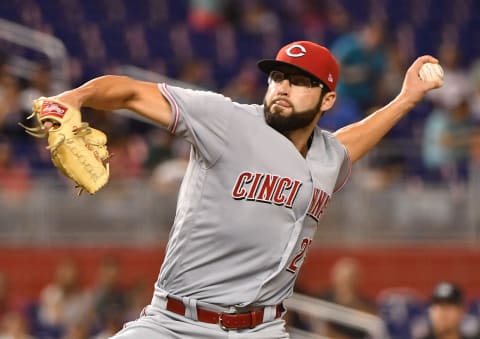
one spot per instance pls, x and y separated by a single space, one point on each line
446 314
447 139
62 303
345 290
457 83
15 175
475 97
108 297
40 84
14 326
363 59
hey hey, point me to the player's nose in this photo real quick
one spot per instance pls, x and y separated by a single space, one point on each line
283 87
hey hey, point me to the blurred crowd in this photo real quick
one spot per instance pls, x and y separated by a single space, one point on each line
66 308
213 45
69 308
445 314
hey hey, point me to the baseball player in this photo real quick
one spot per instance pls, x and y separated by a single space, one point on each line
258 181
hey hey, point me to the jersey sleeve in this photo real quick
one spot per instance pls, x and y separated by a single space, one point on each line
345 169
201 117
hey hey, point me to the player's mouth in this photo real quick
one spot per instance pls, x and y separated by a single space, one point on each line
282 103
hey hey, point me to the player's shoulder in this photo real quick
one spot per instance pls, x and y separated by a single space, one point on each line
212 97
252 109
324 133
327 137
244 109
193 92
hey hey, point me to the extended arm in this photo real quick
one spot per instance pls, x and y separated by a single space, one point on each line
361 137
112 92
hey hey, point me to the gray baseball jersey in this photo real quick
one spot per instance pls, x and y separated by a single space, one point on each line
249 203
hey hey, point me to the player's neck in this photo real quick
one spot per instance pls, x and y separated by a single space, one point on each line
301 139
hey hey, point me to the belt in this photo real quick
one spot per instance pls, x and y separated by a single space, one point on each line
227 321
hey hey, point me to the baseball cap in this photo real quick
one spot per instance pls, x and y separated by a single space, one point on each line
447 292
309 57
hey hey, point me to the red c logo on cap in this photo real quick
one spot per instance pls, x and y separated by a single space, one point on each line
293 54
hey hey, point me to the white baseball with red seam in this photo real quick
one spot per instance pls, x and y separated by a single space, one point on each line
431 72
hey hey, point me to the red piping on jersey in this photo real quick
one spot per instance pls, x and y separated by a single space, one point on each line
176 110
348 173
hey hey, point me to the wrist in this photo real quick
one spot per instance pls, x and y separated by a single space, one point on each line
82 94
404 102
75 97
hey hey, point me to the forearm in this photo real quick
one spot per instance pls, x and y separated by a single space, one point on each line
113 92
361 137
108 92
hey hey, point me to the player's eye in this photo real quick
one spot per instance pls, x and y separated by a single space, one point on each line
296 80
301 81
276 76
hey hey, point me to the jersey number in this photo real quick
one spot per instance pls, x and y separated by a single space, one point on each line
300 255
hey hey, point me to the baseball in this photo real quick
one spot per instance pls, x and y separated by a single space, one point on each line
431 72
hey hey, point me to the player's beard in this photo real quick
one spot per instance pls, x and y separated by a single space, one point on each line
294 121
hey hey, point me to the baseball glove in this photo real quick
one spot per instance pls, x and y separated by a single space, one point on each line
77 150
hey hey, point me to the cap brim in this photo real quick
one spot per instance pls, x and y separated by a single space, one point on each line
446 301
268 65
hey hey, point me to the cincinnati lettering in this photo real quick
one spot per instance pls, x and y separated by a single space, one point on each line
265 187
318 204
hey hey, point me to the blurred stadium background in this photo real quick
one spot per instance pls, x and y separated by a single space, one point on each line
78 267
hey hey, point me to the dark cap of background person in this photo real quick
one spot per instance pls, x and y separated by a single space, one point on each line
447 292
309 57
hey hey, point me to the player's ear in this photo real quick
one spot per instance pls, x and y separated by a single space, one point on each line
328 101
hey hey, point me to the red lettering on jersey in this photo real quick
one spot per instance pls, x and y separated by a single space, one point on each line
239 192
293 193
279 198
264 187
300 256
268 186
254 186
319 202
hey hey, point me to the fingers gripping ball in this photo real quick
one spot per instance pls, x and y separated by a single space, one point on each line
431 72
77 150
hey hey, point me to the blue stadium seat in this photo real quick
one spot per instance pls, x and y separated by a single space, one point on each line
428 35
399 308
